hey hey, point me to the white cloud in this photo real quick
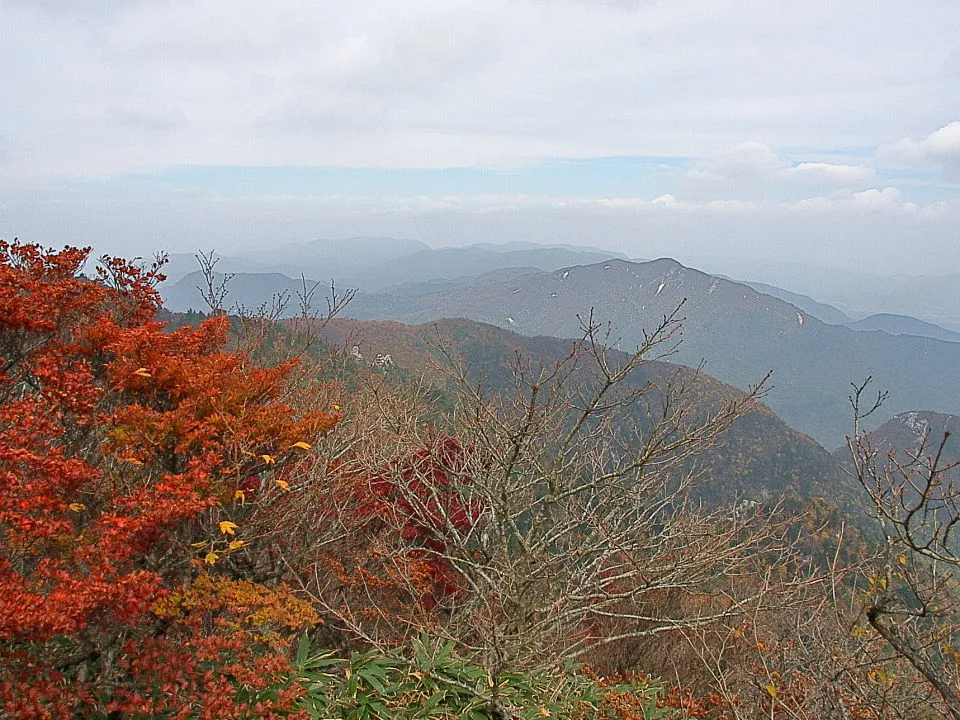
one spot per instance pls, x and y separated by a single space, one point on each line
885 200
776 97
752 171
430 83
747 161
940 149
819 173
952 63
146 117
878 201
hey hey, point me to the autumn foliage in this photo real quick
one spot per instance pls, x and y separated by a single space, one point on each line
176 518
419 494
157 494
122 448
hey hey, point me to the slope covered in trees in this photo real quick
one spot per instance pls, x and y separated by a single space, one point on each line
738 333
758 458
205 522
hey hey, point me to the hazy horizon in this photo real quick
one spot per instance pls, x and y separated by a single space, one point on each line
826 133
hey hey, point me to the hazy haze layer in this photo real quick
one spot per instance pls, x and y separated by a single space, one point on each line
825 132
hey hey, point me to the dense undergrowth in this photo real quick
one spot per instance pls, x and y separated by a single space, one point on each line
213 520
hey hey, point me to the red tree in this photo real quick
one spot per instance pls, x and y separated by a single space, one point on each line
122 447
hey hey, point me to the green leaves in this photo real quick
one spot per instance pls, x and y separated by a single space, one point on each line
428 680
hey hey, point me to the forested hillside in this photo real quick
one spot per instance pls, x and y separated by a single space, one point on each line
737 333
231 517
758 458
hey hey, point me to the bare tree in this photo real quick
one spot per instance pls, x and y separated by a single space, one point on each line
278 328
214 288
582 529
915 498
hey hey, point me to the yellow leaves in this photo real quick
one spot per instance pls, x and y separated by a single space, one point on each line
118 436
877 583
302 445
336 408
881 677
241 496
239 603
544 712
142 372
902 559
77 507
269 459
282 484
226 528
168 607
951 652
132 460
771 689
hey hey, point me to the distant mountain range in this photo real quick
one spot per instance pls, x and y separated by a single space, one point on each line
933 298
887 322
903 325
739 331
375 264
822 311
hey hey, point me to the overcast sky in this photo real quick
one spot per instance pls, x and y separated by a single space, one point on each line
824 131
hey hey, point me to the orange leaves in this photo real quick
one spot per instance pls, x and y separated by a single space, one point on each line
710 705
251 605
197 396
99 402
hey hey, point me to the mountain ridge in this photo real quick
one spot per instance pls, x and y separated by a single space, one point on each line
740 334
903 325
760 458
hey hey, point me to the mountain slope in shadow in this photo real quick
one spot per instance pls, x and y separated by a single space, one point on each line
738 333
759 458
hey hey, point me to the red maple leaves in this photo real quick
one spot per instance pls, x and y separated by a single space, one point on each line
118 442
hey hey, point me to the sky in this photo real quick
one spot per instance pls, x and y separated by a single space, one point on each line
826 132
